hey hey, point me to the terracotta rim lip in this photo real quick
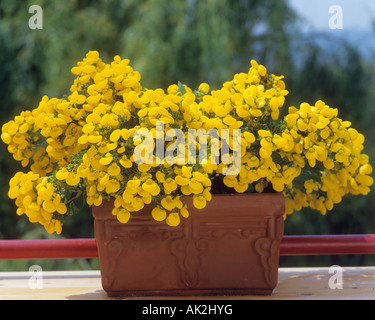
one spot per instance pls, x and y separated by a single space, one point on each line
239 200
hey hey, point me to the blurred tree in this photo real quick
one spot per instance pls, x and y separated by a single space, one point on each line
335 72
197 41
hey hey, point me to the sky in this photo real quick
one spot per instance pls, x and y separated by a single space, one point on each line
356 14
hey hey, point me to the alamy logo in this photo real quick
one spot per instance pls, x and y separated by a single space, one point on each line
36 20
36 278
172 147
336 20
336 280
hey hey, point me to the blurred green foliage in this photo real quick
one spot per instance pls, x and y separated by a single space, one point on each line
193 42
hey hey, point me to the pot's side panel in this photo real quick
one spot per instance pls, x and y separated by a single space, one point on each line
135 255
230 247
237 239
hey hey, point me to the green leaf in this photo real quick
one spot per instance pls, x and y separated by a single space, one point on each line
181 88
76 204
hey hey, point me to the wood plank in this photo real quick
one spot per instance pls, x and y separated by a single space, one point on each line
358 283
294 284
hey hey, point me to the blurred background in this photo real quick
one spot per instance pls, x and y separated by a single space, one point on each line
325 50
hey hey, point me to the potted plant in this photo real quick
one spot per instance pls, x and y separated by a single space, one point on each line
189 189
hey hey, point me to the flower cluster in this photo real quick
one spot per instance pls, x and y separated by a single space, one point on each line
329 151
36 197
251 102
91 144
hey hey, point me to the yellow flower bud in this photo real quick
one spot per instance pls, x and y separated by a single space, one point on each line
204 88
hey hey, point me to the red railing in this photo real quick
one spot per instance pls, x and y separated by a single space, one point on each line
86 248
48 249
328 244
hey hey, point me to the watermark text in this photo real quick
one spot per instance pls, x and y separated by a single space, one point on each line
36 20
336 20
36 278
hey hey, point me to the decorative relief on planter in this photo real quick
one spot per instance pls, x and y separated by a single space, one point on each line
268 249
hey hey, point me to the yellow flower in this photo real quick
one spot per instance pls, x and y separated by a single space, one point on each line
62 174
57 226
262 70
266 149
114 170
115 135
144 167
137 203
125 162
151 187
195 186
184 212
72 179
106 160
173 219
49 206
249 137
259 187
169 185
186 171
302 124
160 176
230 181
241 187
242 111
220 111
264 133
279 141
168 203
182 181
310 186
365 169
229 121
83 170
159 214
112 186
199 201
61 208
123 216
93 138
204 88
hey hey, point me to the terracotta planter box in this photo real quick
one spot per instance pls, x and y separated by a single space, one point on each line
229 248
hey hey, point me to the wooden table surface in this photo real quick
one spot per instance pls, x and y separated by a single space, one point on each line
358 283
